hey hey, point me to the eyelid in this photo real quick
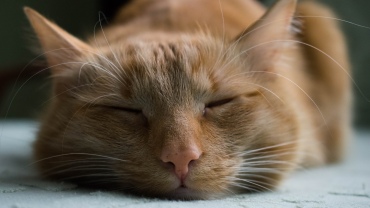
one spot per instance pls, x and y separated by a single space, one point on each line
219 102
126 109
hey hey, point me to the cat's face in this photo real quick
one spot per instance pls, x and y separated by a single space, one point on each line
172 95
184 116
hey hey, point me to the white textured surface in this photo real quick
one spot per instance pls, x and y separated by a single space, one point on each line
343 185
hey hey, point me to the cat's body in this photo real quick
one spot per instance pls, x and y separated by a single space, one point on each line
171 101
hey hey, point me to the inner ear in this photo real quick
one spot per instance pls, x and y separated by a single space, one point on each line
263 43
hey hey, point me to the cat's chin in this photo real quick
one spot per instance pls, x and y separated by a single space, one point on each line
184 193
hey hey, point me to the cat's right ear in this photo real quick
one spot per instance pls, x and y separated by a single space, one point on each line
264 42
59 46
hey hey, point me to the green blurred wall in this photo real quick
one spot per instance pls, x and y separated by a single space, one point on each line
16 39
79 17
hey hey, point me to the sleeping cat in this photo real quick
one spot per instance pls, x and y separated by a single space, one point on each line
195 99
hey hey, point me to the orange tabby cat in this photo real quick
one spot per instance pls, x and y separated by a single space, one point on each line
195 99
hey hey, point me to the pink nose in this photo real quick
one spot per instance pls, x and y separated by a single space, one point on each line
181 160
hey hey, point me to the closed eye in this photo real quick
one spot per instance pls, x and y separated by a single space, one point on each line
219 103
128 110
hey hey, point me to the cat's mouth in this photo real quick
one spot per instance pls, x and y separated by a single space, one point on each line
181 191
184 193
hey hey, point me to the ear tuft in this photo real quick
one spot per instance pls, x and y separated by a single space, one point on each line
296 26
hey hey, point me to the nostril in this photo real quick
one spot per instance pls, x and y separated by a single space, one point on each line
192 162
169 165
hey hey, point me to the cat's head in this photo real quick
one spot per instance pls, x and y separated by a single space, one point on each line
170 115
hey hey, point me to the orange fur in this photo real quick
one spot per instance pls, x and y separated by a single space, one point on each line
184 77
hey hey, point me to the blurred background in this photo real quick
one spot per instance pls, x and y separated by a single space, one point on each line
26 97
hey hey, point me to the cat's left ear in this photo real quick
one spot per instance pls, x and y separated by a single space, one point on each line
264 41
59 46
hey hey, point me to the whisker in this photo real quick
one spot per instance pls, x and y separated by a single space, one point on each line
263 163
268 147
268 90
223 35
107 42
80 153
257 159
92 175
263 170
337 19
244 187
246 174
259 184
